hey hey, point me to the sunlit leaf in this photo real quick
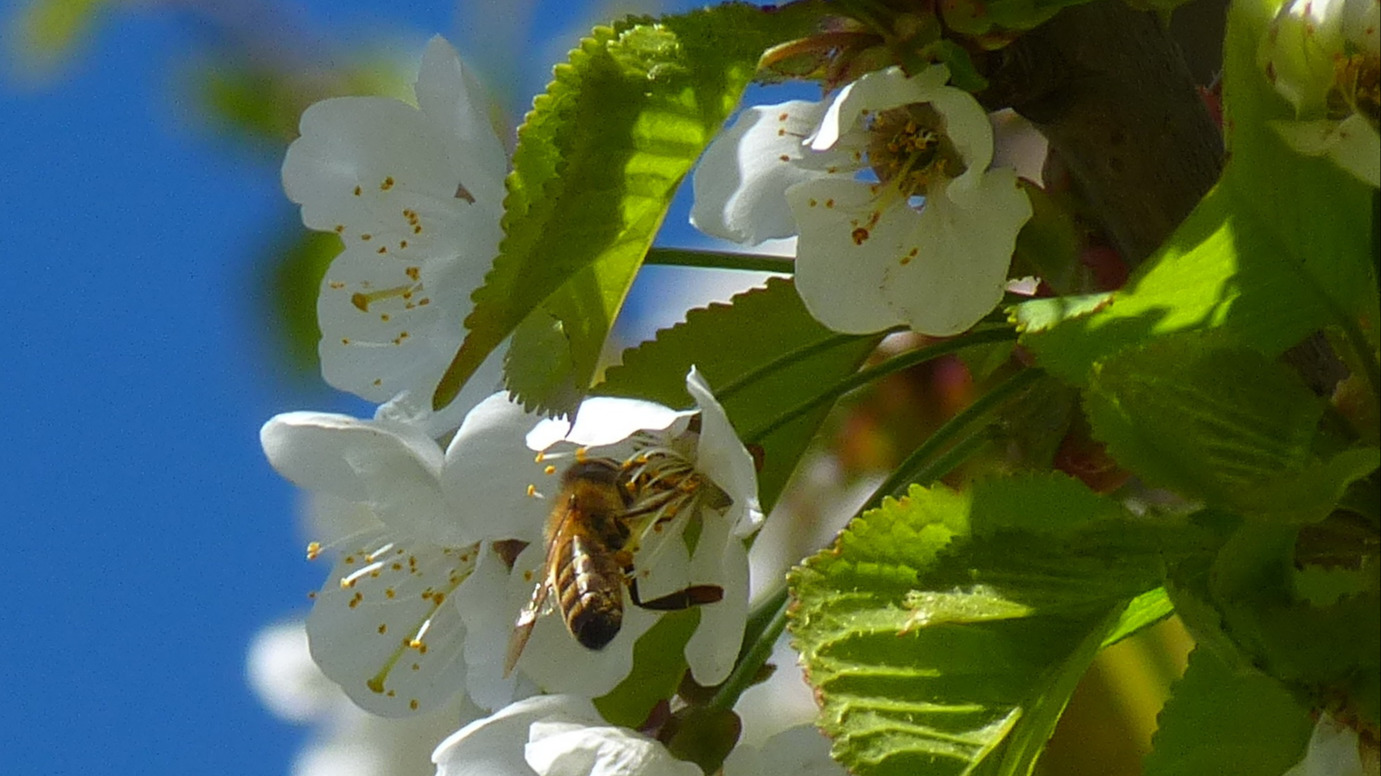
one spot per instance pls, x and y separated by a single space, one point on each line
945 632
1223 424
598 160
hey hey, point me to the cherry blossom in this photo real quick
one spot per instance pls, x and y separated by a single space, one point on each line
870 257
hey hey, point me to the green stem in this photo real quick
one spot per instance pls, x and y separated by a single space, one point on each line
685 257
913 469
871 374
787 359
751 661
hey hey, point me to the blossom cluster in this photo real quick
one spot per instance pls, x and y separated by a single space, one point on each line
453 580
436 521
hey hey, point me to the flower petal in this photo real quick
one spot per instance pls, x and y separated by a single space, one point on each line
385 327
383 626
493 746
602 421
841 260
488 471
489 603
455 103
391 468
740 180
719 559
557 747
375 171
877 91
282 674
959 256
723 458
1352 144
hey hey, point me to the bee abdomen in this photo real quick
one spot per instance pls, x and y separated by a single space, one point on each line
590 588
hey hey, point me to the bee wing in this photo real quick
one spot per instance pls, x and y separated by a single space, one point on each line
527 618
522 627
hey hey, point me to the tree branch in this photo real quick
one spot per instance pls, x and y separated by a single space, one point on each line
1111 92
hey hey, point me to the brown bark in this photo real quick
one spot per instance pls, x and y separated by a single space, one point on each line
1111 92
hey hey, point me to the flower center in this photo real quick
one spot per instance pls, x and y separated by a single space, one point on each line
1357 89
910 150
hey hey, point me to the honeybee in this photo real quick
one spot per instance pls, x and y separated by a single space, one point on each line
588 560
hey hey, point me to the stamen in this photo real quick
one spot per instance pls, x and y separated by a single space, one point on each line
361 301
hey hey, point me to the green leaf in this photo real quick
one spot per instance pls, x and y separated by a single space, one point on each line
1144 611
728 344
1279 249
1223 721
945 632
1220 423
598 160
1327 654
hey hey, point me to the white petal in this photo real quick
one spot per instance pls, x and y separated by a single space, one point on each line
723 458
489 603
488 471
493 746
603 421
1333 751
877 91
414 407
719 559
282 674
330 519
1358 149
562 748
1352 144
391 468
453 100
375 171
383 626
740 181
838 275
967 125
953 265
386 327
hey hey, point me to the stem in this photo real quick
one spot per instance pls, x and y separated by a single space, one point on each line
685 257
751 661
911 469
787 359
871 374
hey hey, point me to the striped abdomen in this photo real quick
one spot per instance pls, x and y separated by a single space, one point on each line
589 587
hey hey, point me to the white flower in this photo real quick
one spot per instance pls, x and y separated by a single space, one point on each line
1334 750
416 194
345 741
386 625
553 735
421 603
1323 57
711 482
867 258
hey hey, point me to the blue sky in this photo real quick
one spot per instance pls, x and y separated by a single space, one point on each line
152 538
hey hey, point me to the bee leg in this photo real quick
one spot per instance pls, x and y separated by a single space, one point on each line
695 595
